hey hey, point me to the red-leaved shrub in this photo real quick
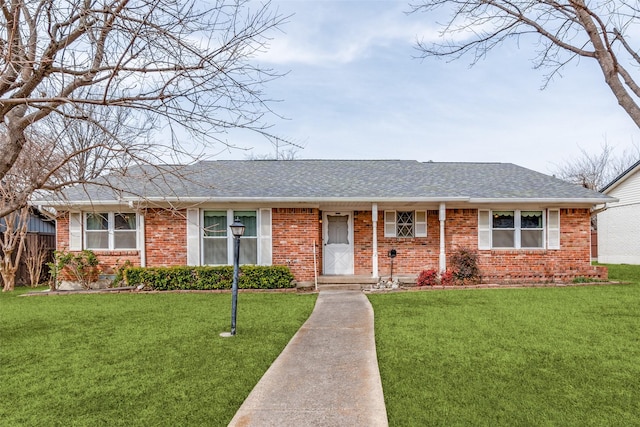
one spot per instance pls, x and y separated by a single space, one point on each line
428 278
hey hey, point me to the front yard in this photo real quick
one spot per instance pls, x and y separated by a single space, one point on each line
536 356
137 360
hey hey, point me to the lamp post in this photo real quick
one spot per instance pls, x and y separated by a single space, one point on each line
237 230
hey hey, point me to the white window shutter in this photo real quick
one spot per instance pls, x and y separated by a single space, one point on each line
389 223
75 231
421 223
265 237
193 237
553 229
484 229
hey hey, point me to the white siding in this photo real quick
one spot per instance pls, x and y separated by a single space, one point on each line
619 225
619 235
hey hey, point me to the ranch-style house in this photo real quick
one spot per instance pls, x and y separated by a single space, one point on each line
337 218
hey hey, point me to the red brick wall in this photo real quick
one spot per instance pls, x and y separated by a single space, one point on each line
166 237
294 231
62 232
413 254
572 260
461 231
109 260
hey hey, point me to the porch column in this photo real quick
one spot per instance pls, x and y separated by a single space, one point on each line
442 215
374 256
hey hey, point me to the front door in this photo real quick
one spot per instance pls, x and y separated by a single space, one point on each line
337 233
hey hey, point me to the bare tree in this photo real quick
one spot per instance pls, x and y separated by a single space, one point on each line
282 150
35 255
14 229
565 31
75 65
595 170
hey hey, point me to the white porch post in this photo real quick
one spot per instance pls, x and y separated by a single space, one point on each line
374 256
443 257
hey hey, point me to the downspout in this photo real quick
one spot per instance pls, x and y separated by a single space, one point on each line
374 256
442 216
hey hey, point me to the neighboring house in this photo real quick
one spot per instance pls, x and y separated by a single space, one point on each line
619 223
41 233
338 217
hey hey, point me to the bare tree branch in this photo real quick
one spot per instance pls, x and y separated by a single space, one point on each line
601 31
175 63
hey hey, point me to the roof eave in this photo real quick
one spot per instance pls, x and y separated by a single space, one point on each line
545 200
199 200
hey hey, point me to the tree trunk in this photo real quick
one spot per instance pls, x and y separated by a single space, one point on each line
8 273
607 62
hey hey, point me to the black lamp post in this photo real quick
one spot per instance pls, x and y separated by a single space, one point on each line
237 230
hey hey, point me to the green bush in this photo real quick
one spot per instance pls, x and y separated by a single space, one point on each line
80 266
207 278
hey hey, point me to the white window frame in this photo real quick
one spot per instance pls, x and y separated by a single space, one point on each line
111 231
419 224
485 229
262 237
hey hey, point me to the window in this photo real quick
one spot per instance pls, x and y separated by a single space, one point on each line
511 229
217 246
531 229
405 224
109 230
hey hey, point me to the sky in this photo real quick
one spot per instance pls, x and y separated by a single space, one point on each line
354 89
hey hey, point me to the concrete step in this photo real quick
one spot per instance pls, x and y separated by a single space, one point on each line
340 286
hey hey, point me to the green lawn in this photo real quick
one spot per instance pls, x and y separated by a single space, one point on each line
535 356
137 360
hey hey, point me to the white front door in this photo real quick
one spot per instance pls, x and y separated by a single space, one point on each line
337 234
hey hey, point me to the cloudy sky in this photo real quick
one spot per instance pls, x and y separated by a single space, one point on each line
354 90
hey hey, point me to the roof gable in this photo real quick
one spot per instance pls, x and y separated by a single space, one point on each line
621 178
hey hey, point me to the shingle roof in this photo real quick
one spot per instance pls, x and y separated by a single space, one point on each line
335 179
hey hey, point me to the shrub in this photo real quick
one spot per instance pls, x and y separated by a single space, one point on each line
208 278
464 266
447 278
428 278
119 269
81 266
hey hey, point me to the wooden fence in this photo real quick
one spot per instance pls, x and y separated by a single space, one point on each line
49 242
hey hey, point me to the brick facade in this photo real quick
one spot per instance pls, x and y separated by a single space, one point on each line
166 237
295 231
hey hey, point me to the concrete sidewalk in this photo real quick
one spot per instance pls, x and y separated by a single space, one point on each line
328 373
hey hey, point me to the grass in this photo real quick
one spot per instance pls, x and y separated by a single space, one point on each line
137 360
536 356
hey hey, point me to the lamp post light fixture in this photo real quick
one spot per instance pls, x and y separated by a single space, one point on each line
237 230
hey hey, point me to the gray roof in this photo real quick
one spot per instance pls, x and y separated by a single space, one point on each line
335 180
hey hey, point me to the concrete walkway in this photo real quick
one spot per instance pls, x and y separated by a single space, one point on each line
328 373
